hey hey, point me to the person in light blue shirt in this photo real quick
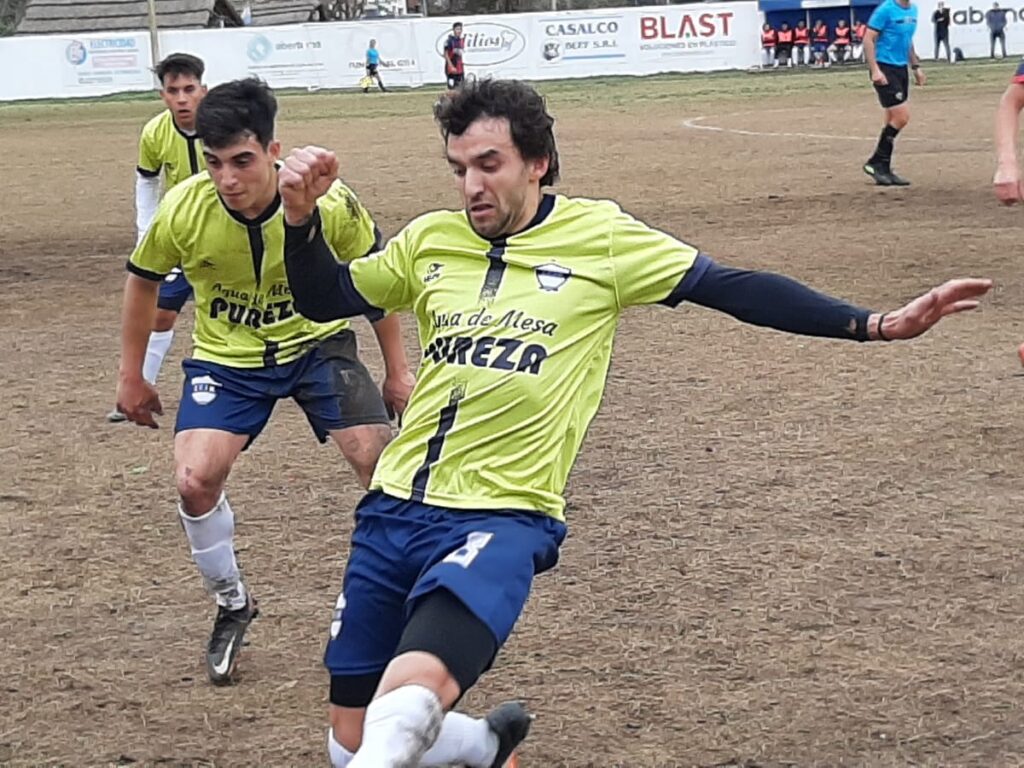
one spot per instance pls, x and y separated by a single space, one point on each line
889 50
372 66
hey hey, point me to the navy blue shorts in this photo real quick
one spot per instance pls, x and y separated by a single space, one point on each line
175 290
329 383
403 550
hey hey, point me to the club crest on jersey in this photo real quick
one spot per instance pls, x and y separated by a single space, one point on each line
551 277
204 389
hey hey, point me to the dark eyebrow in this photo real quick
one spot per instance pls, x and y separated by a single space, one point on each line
235 158
486 155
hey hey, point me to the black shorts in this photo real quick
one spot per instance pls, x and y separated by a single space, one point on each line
455 80
897 90
371 70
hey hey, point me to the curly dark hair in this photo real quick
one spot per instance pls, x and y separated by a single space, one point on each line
513 100
180 64
236 109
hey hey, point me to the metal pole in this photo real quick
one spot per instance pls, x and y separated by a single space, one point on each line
154 41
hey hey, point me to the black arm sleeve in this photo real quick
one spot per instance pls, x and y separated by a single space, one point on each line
775 301
321 287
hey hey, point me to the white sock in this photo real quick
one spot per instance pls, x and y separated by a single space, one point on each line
463 740
211 537
399 728
340 757
156 350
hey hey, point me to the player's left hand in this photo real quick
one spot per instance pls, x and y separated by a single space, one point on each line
925 311
397 390
919 76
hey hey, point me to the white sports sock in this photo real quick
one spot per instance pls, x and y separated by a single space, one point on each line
399 728
156 350
211 537
463 740
340 757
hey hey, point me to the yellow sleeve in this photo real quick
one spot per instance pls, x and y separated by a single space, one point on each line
149 152
348 226
385 279
159 252
648 264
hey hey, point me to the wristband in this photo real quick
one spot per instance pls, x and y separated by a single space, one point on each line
881 320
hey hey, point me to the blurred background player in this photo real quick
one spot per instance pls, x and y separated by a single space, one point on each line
372 68
801 43
225 230
995 20
769 37
842 41
941 21
819 44
889 50
859 30
1007 183
454 64
784 46
169 144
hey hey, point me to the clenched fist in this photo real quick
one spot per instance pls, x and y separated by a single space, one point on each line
306 176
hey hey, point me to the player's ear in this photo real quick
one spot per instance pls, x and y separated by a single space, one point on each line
203 89
274 149
538 168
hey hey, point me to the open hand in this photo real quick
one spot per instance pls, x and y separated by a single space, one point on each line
925 311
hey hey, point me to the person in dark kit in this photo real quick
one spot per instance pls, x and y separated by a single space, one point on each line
941 21
996 21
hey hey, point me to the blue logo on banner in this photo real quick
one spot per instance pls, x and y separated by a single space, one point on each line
259 49
75 53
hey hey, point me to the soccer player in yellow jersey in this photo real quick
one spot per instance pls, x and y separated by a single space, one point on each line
168 147
224 228
517 298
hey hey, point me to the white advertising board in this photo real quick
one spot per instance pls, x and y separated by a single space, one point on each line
533 46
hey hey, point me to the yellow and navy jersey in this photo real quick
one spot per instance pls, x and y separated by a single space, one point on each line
516 337
164 147
245 317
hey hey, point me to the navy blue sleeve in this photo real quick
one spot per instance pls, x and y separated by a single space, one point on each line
321 286
773 301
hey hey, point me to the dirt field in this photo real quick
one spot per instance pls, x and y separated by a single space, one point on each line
782 551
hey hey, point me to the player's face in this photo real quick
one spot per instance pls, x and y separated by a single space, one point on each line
500 190
182 94
244 174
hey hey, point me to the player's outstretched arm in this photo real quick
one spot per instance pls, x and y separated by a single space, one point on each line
779 302
1007 183
136 398
321 286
